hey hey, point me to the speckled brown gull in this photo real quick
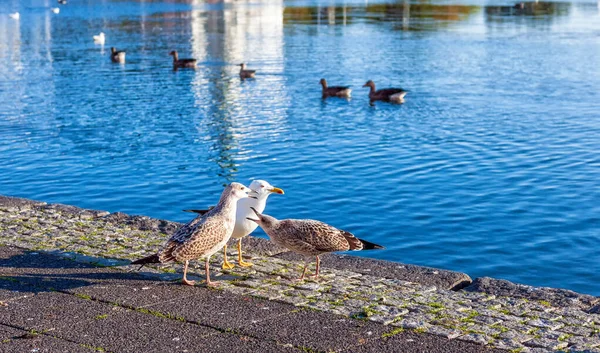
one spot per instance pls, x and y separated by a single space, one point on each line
202 236
260 191
308 237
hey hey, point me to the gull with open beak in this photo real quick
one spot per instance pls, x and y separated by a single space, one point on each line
257 199
308 237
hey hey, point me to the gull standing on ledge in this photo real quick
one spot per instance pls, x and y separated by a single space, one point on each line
203 235
257 198
310 238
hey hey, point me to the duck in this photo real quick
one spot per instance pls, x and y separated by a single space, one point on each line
387 94
56 10
246 73
335 91
117 56
62 2
182 63
15 16
100 38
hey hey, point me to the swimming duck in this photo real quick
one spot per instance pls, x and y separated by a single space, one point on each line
100 38
56 10
246 73
15 16
386 94
62 2
117 56
182 63
335 91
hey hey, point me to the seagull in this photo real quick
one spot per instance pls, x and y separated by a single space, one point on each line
56 10
335 91
14 16
117 56
387 94
257 198
202 236
182 63
100 38
246 73
309 237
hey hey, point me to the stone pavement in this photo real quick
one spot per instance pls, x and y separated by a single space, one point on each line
74 289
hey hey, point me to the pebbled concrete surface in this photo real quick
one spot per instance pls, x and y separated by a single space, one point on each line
372 303
91 312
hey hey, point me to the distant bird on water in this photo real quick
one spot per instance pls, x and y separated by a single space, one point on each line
182 63
309 237
387 94
257 198
56 10
246 73
117 56
335 91
62 2
100 38
203 236
14 16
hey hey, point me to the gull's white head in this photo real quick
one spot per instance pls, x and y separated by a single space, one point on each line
262 189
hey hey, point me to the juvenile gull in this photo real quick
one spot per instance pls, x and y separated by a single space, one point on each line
257 198
202 236
309 237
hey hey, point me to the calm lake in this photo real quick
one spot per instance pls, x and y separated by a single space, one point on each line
491 166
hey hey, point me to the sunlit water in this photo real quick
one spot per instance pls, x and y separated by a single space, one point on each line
490 167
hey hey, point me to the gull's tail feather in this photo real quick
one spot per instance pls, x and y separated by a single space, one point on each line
152 259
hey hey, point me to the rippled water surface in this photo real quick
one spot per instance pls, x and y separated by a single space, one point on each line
490 167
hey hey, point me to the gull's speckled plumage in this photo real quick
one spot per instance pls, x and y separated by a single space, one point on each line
310 237
204 235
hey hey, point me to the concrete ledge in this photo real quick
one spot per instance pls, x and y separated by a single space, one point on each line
395 301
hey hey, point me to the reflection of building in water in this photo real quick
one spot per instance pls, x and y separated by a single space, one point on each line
402 15
534 14
224 35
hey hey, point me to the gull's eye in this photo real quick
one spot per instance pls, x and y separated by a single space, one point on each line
262 186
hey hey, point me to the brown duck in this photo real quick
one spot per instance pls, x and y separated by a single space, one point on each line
117 56
246 73
182 63
335 91
387 94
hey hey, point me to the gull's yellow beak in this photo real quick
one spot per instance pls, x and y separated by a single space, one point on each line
277 191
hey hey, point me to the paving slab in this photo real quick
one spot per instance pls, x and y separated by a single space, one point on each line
132 331
43 344
50 310
317 330
223 310
411 342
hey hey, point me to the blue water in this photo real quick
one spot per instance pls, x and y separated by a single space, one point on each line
490 167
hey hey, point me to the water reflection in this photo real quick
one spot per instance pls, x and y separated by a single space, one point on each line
403 15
